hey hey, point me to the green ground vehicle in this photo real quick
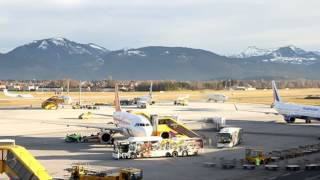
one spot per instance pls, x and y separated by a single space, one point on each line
77 138
73 138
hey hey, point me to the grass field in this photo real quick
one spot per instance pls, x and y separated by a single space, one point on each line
257 96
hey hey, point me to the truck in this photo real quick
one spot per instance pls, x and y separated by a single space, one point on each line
229 137
181 102
217 97
256 156
142 104
126 102
155 146
53 102
82 173
93 138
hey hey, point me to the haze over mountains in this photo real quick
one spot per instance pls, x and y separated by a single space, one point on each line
58 58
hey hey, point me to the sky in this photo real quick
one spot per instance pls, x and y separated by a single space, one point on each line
221 26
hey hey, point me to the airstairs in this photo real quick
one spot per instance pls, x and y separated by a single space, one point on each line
171 124
18 163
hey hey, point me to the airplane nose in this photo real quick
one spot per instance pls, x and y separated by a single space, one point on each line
149 131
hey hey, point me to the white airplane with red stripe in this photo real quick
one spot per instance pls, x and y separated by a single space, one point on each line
135 125
126 123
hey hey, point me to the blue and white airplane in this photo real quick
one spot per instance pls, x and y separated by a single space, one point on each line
291 111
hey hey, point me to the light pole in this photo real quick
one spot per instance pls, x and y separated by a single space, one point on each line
80 93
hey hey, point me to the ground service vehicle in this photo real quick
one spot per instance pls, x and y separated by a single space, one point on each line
93 138
80 173
76 106
181 102
142 104
253 154
54 102
86 115
127 102
217 97
73 138
18 163
155 146
229 137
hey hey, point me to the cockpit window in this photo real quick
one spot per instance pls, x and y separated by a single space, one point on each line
141 124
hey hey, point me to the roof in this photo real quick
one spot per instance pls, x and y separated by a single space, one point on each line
229 129
148 138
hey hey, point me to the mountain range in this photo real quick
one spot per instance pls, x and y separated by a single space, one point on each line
58 58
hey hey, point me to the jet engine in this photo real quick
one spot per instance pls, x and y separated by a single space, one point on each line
105 137
289 119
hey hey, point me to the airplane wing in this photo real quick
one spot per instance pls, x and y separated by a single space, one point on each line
102 127
264 112
99 114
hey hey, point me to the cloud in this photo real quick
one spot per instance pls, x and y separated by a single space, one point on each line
222 26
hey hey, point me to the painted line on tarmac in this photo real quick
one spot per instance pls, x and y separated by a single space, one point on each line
313 178
287 174
280 134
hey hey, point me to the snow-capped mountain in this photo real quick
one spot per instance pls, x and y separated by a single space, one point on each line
131 52
53 57
58 58
61 45
252 51
316 52
287 54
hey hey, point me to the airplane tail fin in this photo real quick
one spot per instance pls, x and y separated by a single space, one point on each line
116 98
276 96
150 90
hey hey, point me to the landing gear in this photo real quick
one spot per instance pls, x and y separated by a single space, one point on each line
308 121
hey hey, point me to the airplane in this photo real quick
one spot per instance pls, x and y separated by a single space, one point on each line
140 102
147 99
135 125
6 93
125 123
291 111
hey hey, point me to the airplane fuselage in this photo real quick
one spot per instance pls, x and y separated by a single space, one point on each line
6 93
292 111
135 125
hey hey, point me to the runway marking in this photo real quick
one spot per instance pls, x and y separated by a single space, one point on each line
313 178
287 174
280 134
